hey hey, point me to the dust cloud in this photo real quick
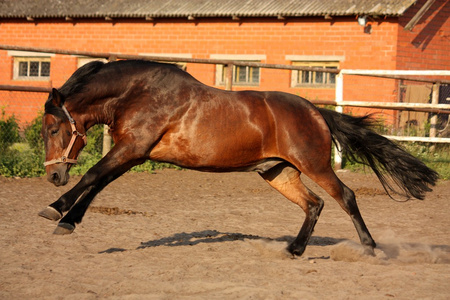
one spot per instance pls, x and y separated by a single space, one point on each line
392 249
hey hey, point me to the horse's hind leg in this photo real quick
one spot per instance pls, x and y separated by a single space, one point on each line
286 180
348 203
346 199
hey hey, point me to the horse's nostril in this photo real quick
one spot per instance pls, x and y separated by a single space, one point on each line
54 177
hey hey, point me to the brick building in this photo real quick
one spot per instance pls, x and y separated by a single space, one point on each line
366 34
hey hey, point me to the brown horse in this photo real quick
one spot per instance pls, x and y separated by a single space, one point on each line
159 112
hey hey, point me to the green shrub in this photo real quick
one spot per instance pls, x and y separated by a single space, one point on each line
9 131
150 166
26 163
95 140
33 135
86 161
24 159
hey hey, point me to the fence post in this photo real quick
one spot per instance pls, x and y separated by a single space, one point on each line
434 117
229 77
106 140
339 97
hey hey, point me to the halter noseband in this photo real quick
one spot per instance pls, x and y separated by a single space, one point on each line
75 133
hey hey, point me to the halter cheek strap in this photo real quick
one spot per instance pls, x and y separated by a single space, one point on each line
75 133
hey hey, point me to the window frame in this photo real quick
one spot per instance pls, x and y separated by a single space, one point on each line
18 60
221 70
221 74
328 79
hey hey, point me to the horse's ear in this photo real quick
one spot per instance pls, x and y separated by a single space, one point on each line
56 97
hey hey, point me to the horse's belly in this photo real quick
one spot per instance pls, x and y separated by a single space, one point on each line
211 151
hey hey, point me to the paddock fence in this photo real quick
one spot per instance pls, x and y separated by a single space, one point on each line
426 121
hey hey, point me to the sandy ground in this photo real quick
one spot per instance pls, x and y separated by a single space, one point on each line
191 235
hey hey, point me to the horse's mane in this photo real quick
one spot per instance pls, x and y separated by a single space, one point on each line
74 84
84 74
80 78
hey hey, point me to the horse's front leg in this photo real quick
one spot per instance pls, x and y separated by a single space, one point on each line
76 213
55 210
119 160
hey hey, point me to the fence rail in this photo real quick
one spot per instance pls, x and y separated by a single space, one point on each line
418 107
405 75
115 56
25 88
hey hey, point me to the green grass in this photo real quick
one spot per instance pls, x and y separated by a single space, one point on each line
437 159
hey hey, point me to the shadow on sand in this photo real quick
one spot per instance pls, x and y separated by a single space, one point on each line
214 236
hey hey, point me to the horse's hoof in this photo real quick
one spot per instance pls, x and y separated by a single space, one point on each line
292 249
64 228
368 250
50 213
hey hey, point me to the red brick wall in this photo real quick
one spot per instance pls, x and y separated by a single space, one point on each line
273 38
427 46
25 106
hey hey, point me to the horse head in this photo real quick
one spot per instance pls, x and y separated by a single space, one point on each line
63 142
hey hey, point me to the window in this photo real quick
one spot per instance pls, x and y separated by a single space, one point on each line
242 75
314 78
31 68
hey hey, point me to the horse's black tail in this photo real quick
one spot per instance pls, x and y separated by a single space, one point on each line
360 144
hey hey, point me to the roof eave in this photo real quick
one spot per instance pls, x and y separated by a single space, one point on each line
185 16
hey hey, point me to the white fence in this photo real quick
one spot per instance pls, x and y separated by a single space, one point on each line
434 106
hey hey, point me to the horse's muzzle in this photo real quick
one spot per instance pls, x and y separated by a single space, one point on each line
58 176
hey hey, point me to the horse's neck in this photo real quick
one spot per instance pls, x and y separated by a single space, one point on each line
88 115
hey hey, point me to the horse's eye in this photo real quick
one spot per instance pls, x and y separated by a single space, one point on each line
54 132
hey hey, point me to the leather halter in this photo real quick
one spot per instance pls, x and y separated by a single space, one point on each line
75 133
